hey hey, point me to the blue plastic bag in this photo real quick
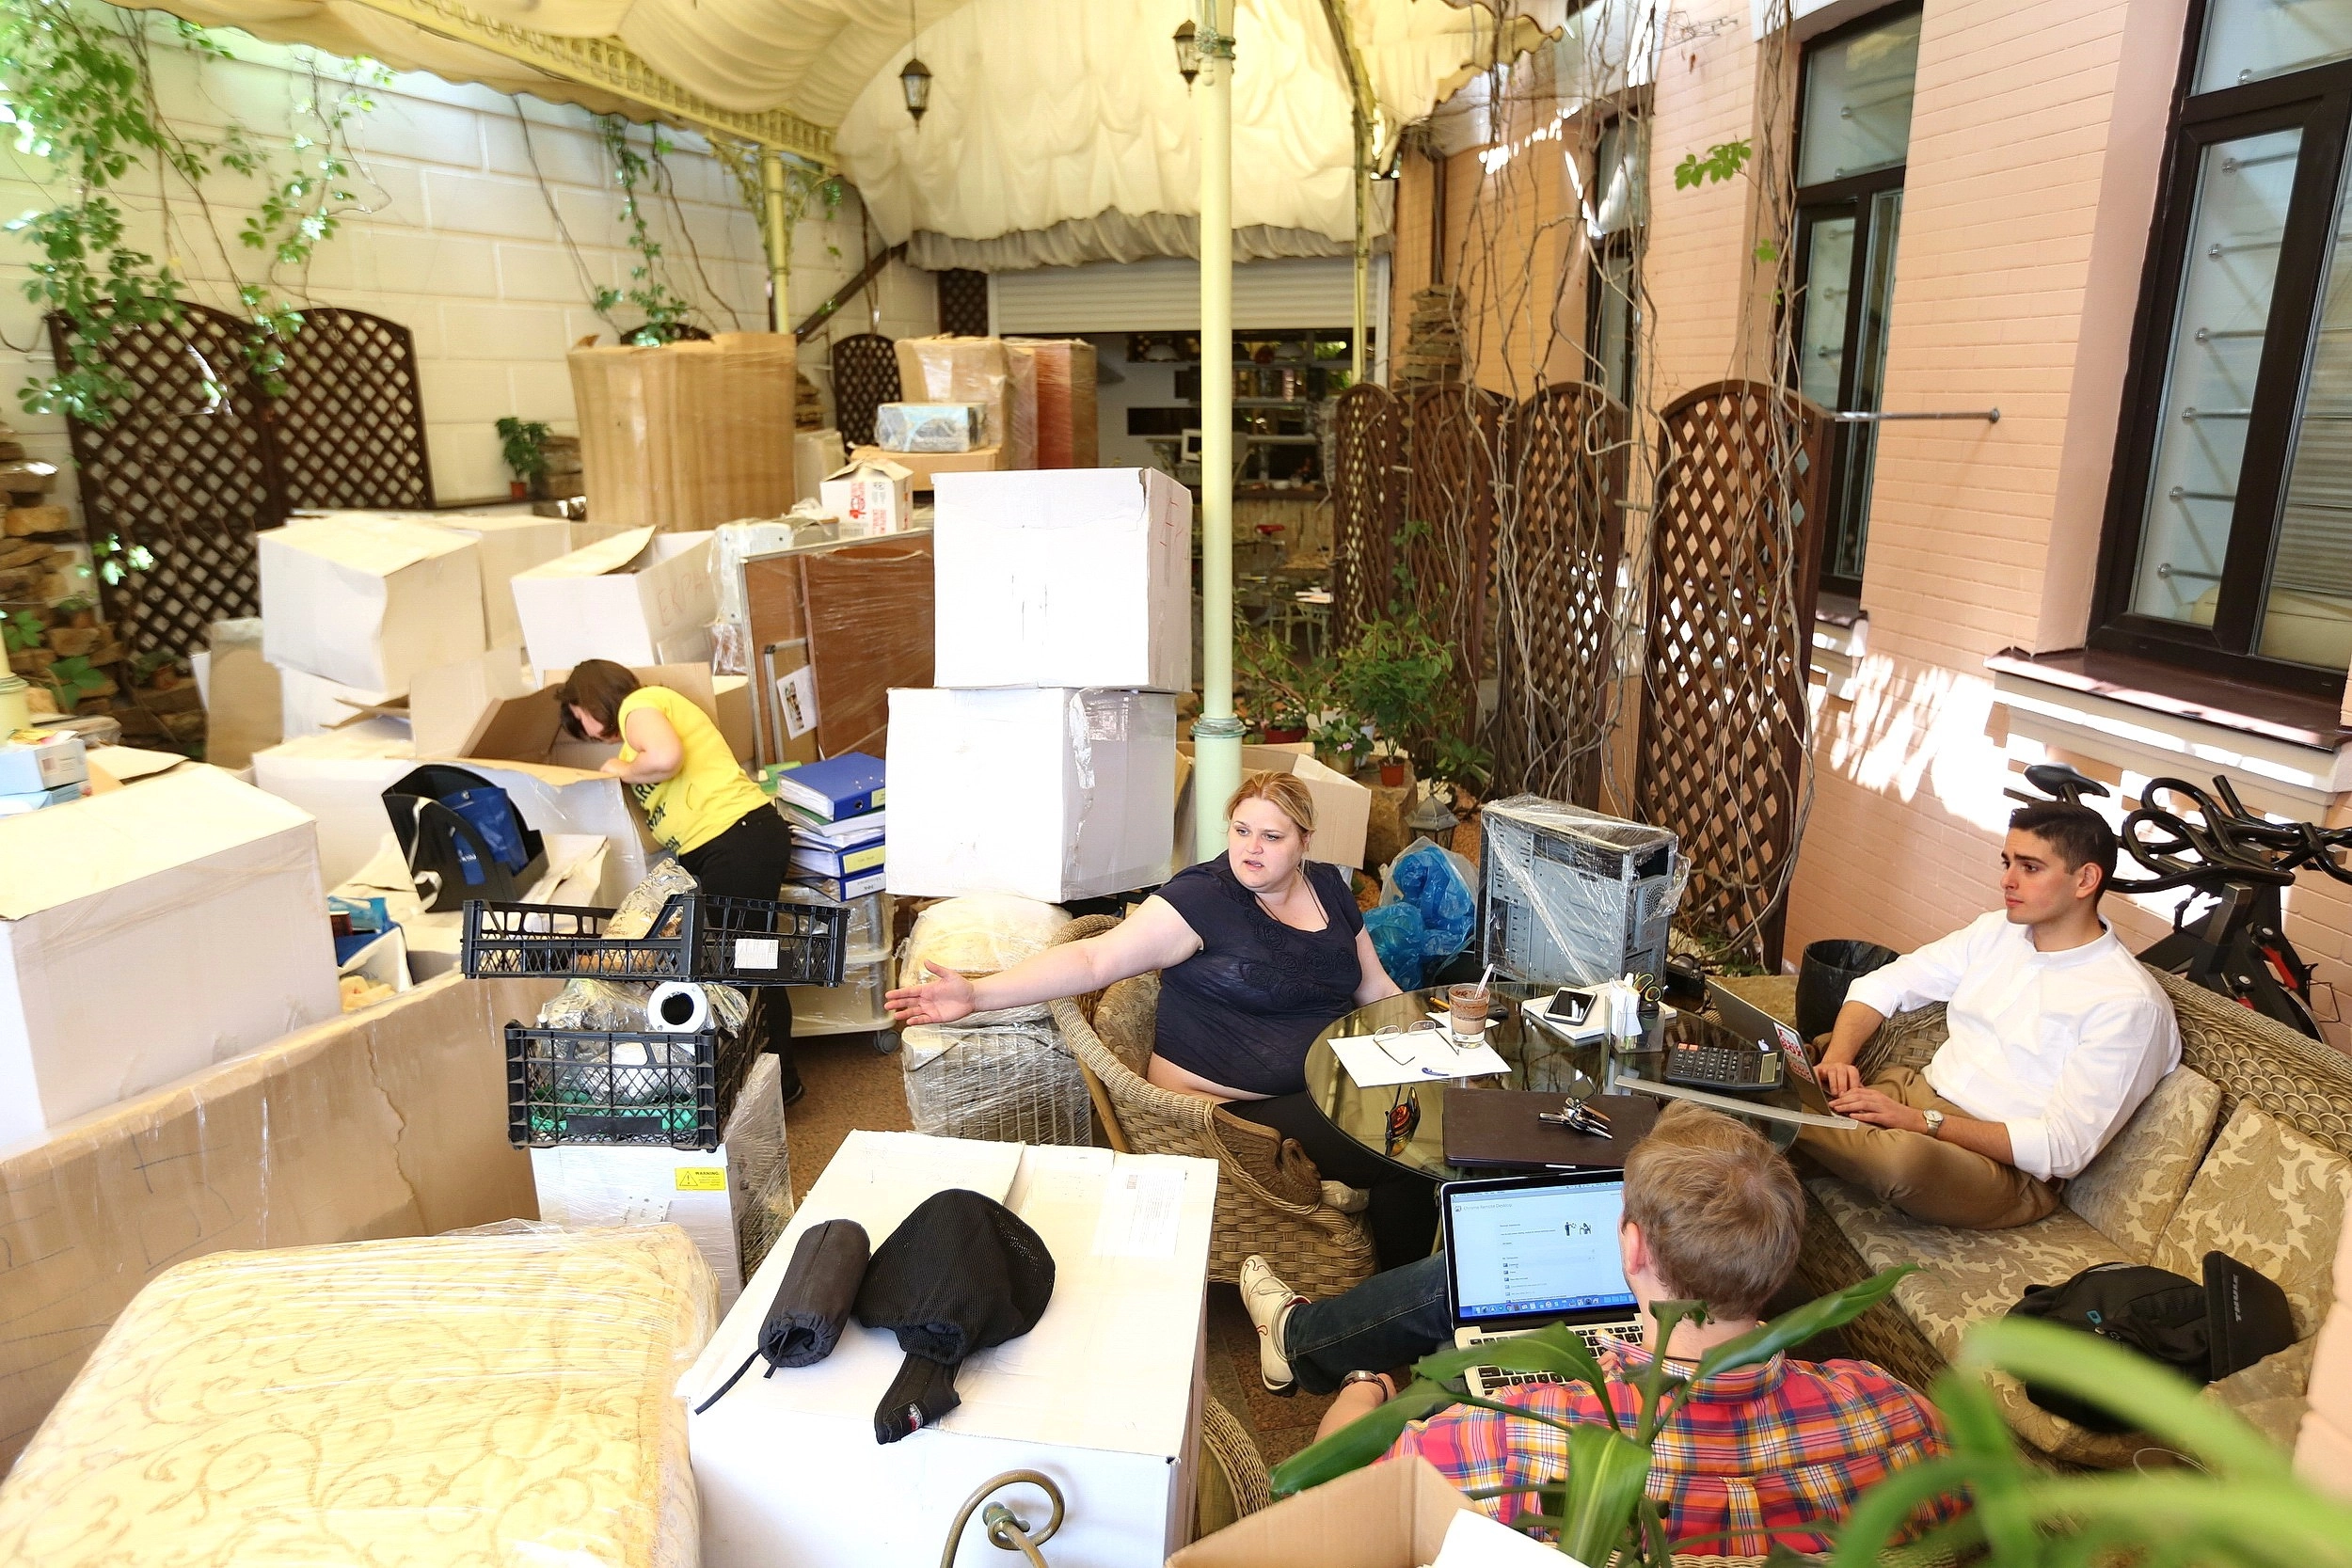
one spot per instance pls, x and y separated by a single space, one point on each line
1398 937
1438 885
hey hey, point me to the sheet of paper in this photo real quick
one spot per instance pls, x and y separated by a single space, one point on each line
1375 1062
1141 1209
1474 1541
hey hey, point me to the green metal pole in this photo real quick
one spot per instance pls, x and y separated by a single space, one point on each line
1217 735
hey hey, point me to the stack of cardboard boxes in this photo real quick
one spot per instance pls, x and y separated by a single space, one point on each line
1043 762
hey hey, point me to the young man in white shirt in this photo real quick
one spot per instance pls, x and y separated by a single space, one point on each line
2058 1033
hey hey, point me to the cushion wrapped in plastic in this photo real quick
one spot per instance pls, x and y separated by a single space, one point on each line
1008 1084
977 936
485 1399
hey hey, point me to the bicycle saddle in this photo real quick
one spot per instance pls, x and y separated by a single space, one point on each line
2061 782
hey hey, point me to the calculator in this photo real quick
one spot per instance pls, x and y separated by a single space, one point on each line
1718 1059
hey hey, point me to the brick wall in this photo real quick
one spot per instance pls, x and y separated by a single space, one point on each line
463 242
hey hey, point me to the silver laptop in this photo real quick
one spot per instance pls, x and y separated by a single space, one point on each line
1526 1251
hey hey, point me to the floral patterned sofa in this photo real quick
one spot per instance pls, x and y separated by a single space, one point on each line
2245 1148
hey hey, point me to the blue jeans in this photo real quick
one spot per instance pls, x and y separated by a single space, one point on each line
1391 1320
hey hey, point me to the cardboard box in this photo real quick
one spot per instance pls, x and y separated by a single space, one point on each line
639 598
511 545
928 426
731 706
311 705
927 465
961 369
36 761
387 1122
1392 1515
1104 1396
871 497
1066 413
684 436
1342 806
149 932
1048 794
815 454
1076 577
368 601
244 696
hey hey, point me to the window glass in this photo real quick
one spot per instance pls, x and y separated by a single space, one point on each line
1857 102
1828 279
1617 185
2248 39
1618 325
2306 614
2243 186
1848 538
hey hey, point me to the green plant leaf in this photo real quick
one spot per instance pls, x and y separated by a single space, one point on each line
1361 1441
2276 1521
2150 1397
1767 1340
1974 1423
1882 1511
1607 1474
1555 1348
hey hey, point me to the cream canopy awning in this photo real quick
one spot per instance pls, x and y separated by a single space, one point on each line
1058 129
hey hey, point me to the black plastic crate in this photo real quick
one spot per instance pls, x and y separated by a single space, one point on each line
673 1091
698 935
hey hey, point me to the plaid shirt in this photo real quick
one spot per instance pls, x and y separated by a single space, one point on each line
1786 1445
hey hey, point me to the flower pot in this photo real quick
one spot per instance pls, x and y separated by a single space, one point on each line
1276 735
519 489
1392 775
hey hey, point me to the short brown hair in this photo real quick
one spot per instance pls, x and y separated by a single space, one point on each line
596 685
2080 836
1289 795
1719 1207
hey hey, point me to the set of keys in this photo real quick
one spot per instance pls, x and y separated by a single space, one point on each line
1580 1117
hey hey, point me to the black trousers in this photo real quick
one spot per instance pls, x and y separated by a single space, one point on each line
751 860
1403 1212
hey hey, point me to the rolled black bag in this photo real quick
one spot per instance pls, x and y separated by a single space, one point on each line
962 1273
820 1285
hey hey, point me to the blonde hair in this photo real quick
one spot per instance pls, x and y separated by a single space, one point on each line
1719 1207
1283 790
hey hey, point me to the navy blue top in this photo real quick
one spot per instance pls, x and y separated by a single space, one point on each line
1242 1010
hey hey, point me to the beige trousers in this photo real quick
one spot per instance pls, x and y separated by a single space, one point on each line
1924 1176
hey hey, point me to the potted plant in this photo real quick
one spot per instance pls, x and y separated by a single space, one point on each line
1464 767
1391 759
1341 740
1399 677
523 443
1272 687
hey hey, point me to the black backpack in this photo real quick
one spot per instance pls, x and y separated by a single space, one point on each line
462 838
2202 1331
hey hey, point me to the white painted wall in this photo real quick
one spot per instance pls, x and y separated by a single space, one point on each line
461 243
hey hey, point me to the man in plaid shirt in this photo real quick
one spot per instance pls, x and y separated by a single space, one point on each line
1775 1452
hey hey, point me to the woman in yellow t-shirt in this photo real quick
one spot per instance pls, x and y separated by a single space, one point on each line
697 800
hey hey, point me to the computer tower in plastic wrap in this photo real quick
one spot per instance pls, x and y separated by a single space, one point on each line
1569 897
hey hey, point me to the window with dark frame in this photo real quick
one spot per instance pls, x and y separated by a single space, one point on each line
1613 212
1853 142
2227 542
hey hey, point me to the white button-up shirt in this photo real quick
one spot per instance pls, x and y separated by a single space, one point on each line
2059 1047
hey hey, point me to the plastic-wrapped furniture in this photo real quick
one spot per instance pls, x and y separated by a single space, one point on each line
1009 1082
1269 1197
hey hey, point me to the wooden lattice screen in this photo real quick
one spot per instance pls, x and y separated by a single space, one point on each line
1559 530
1720 759
198 461
1450 439
349 429
865 376
964 303
1367 505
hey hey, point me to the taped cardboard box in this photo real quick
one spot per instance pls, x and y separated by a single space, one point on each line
925 466
367 601
1392 1515
815 454
865 609
961 369
1047 794
244 699
1066 411
639 598
1079 578
511 545
683 437
311 705
149 932
387 1122
1342 806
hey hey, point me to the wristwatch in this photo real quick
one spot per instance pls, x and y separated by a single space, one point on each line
1935 1123
1388 1389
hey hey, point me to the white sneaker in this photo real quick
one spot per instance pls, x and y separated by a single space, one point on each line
1268 1302
1346 1199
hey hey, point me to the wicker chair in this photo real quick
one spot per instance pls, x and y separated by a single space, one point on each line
2249 1057
1269 1197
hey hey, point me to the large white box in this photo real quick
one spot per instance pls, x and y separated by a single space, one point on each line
369 601
149 932
1069 576
1046 793
1104 1396
312 705
639 598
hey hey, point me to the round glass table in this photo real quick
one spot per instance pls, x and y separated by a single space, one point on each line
1541 1059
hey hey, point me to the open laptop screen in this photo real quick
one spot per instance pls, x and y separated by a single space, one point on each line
1517 1250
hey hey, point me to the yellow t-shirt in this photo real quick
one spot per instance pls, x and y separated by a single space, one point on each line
708 794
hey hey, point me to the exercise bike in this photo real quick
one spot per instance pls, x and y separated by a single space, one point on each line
2236 943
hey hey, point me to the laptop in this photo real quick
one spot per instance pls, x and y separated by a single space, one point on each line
1751 1022
1525 1252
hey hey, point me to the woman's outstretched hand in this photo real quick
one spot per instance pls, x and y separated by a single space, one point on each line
943 1000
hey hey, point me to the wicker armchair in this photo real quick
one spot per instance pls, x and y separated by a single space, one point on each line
1269 1198
2249 1057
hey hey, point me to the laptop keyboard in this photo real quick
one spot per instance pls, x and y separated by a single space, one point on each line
1497 1377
